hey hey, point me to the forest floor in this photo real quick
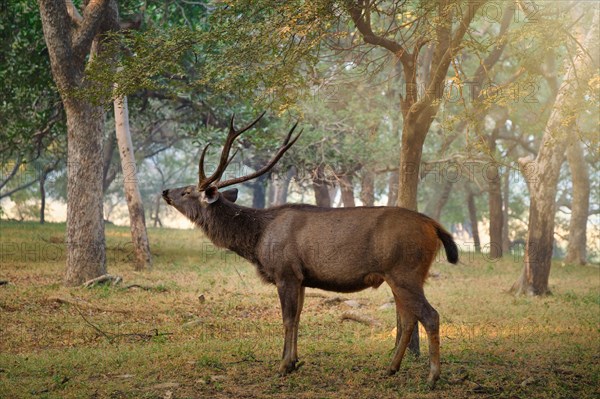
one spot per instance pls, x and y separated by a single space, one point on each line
202 325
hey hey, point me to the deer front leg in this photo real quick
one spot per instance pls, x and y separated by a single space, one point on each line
289 295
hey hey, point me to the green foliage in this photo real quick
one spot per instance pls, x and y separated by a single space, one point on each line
29 97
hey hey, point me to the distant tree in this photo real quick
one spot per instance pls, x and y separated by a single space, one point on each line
542 172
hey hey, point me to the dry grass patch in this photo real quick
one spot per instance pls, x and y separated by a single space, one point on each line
207 328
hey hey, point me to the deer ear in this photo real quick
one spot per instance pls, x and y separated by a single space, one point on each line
211 194
230 195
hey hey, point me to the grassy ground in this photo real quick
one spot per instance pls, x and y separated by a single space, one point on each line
207 328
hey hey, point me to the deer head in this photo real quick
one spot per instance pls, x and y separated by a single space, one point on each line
193 200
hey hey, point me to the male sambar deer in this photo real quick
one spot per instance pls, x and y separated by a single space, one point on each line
335 249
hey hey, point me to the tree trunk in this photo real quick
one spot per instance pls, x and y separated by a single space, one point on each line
86 257
347 189
413 138
495 207
109 149
505 209
542 173
137 219
259 192
473 220
439 199
320 188
576 251
367 192
393 188
42 197
69 38
282 185
156 218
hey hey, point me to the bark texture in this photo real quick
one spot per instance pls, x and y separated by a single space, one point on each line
542 173
69 38
137 218
576 252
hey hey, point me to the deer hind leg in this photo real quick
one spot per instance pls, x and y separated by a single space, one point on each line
412 306
289 295
430 319
406 321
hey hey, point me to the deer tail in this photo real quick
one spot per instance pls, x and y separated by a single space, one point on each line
449 244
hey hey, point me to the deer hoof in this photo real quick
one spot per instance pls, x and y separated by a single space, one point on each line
391 372
287 368
432 379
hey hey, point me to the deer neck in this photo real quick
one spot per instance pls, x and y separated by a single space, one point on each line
234 227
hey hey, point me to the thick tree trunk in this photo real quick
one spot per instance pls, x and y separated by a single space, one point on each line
367 192
393 188
473 220
137 218
542 173
85 223
347 189
69 38
576 251
411 151
439 199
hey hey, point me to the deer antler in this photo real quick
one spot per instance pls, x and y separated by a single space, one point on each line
204 182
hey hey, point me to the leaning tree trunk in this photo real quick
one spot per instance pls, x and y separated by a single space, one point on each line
542 173
579 205
85 223
438 200
137 219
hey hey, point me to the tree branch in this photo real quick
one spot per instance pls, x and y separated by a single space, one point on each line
359 12
92 19
22 187
73 13
12 173
434 90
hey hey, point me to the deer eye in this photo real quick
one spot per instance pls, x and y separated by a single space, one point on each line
183 194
